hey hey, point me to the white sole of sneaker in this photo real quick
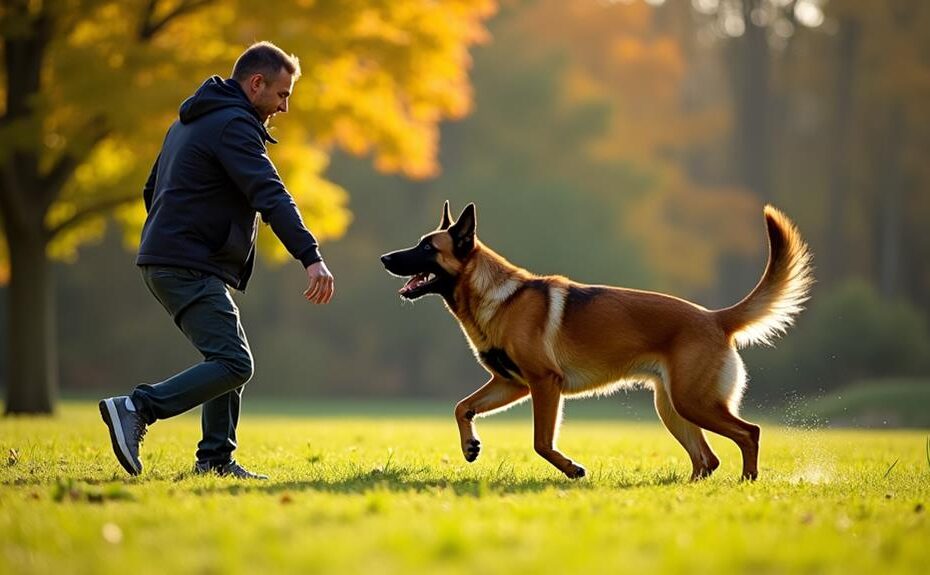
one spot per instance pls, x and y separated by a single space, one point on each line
116 428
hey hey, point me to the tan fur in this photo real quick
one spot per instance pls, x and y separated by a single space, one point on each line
569 346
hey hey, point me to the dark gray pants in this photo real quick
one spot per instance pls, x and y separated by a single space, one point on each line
203 309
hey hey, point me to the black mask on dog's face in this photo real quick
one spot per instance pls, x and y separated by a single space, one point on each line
433 264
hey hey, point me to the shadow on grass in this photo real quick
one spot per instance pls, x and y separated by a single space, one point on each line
409 480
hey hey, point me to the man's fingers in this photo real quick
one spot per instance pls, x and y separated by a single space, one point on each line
320 287
327 295
323 293
326 291
320 290
312 289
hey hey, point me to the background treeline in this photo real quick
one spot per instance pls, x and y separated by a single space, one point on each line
631 143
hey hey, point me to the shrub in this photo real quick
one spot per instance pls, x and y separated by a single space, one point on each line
848 334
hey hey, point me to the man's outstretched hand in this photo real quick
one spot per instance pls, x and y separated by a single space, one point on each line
320 287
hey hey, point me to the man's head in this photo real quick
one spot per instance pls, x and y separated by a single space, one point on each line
267 75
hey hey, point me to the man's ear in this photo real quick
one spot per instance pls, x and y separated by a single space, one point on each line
446 217
256 81
463 232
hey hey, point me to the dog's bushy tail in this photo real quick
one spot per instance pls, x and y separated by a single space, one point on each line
779 296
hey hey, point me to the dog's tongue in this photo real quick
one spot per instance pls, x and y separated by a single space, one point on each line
414 282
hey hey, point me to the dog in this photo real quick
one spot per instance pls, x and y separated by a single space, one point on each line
547 337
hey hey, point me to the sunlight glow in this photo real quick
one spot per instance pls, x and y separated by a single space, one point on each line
733 24
809 13
762 17
706 6
783 28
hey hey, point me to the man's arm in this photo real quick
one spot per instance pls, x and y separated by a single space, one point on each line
243 155
149 189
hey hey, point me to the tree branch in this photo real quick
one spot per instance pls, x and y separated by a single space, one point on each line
12 198
150 26
52 182
94 209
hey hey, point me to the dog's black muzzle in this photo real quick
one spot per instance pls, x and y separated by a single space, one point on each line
426 276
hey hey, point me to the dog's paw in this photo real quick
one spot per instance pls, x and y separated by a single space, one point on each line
575 471
470 449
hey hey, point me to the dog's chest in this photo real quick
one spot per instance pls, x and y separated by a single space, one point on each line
497 360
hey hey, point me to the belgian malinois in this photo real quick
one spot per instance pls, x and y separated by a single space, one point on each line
547 337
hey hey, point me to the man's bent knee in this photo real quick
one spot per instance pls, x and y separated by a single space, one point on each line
241 367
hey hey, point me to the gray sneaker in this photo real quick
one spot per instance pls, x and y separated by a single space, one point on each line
231 469
127 429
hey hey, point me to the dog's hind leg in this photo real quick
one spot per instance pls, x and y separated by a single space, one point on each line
497 393
690 436
709 400
717 418
547 414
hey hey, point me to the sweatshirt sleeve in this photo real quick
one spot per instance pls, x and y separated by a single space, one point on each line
242 153
149 189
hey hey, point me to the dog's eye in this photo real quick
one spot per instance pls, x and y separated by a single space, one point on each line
428 247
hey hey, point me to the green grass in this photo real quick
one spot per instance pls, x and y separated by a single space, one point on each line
392 495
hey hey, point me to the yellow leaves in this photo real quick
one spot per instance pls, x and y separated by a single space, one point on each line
111 162
379 78
112 20
104 175
370 24
64 247
402 68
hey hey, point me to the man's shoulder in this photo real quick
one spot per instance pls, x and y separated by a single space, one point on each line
237 123
226 116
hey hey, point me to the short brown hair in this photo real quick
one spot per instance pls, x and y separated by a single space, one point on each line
266 59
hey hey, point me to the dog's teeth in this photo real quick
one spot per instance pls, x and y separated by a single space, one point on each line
430 277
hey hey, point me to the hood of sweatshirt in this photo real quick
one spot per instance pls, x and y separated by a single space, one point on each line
218 94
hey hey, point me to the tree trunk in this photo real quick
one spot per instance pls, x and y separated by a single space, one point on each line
889 212
750 71
834 264
32 379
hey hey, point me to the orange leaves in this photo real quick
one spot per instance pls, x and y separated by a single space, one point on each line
620 55
684 229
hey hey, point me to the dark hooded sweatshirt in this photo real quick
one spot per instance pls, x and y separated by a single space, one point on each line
211 178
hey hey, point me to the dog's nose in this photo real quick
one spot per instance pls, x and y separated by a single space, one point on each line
386 259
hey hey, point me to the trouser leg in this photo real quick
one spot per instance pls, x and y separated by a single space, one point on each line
219 420
203 309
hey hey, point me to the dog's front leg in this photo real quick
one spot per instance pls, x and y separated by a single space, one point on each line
547 411
495 394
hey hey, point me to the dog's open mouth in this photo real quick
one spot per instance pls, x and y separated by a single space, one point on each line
418 281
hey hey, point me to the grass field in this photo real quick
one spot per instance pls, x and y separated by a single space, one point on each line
392 495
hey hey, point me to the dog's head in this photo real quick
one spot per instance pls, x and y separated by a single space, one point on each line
436 261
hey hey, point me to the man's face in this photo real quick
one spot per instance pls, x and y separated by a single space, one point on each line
270 95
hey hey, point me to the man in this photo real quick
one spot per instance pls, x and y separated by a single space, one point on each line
207 187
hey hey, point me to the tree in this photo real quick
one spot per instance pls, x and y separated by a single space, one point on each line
863 84
632 57
756 32
88 88
893 140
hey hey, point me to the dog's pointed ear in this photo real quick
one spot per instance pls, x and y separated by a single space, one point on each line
463 231
446 217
